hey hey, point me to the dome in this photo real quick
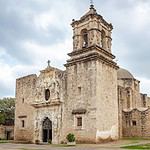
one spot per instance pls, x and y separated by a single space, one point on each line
124 74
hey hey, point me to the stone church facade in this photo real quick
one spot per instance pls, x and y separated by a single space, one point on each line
90 98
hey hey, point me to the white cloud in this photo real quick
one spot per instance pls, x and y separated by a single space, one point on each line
145 85
40 30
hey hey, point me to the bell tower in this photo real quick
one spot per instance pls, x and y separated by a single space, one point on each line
91 106
91 30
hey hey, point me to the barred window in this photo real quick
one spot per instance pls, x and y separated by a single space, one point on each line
79 121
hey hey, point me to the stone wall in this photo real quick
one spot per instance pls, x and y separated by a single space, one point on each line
136 123
24 112
6 132
106 102
81 94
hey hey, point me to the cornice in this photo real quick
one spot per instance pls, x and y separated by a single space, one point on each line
88 49
93 56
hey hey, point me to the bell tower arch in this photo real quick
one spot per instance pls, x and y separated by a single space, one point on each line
92 28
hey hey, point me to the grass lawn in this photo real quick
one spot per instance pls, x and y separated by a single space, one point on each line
146 146
4 141
136 138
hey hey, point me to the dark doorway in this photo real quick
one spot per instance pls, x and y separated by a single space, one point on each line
47 130
8 135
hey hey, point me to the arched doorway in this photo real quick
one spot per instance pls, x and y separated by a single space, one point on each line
47 130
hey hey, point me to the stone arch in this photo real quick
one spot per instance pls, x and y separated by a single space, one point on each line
46 129
84 34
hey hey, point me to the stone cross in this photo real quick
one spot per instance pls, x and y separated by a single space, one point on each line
48 63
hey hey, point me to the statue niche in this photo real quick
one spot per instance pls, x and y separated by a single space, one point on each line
55 89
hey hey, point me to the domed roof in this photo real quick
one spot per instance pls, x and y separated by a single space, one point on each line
124 74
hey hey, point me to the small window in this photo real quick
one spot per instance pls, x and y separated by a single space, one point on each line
79 121
103 36
79 90
134 123
23 123
47 94
22 100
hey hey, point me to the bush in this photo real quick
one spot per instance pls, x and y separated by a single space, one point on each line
50 141
71 137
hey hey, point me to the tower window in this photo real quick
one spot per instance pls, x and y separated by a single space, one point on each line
47 94
22 123
84 38
79 90
79 122
103 38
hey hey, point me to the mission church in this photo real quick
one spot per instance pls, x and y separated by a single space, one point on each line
92 98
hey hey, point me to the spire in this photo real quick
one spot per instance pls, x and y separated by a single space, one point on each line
91 4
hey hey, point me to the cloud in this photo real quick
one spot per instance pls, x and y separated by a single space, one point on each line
33 31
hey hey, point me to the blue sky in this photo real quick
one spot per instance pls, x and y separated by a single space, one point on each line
33 31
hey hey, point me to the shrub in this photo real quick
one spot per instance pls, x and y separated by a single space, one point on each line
50 141
71 137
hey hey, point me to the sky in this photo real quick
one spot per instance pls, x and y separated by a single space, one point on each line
35 31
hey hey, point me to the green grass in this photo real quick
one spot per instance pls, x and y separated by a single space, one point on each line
146 146
4 141
136 138
62 145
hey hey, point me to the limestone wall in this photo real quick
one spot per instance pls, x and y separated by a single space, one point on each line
25 88
136 123
106 102
81 94
130 93
6 132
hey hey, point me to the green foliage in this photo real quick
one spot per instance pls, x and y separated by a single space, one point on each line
71 137
7 109
146 146
50 141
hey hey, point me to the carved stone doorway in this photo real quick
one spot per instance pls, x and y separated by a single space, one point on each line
47 130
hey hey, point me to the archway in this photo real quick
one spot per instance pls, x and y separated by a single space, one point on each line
47 130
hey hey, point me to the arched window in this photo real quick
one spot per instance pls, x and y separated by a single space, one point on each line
47 94
84 34
103 38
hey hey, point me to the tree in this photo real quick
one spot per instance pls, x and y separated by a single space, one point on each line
7 110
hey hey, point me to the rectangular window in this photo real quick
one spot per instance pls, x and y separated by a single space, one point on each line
22 100
79 122
23 123
134 123
79 90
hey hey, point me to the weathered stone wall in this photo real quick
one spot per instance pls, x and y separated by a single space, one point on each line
25 88
6 132
136 123
130 93
106 102
81 94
